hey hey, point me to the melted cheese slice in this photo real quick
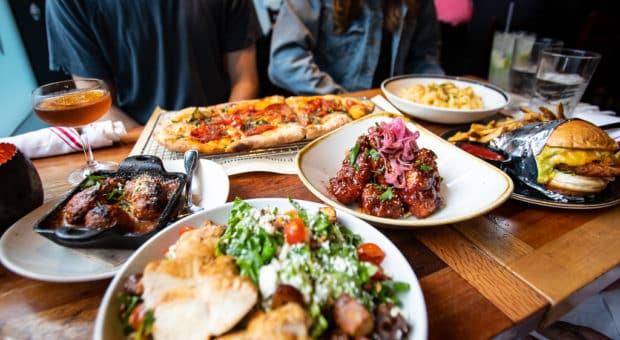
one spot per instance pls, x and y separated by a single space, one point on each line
550 157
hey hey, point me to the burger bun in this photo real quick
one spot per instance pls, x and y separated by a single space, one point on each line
576 185
581 134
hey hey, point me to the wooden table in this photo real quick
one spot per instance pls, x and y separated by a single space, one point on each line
499 275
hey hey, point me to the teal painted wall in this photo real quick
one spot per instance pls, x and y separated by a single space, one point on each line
16 77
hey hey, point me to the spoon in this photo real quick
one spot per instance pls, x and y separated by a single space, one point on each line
190 159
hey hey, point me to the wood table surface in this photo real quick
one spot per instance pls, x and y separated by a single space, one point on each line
503 274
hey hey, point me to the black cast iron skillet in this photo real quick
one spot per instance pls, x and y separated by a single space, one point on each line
84 237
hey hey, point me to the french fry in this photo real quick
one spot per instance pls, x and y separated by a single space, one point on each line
547 113
484 133
561 111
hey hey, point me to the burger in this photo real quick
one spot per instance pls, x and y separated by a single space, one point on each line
578 159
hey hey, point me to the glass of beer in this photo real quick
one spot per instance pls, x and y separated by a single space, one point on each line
75 103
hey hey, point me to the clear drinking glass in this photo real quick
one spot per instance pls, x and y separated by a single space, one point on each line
525 58
501 56
562 76
75 103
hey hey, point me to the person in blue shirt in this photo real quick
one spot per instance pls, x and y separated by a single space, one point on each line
166 53
335 46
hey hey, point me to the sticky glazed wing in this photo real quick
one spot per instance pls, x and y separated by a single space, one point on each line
421 192
352 177
375 203
388 174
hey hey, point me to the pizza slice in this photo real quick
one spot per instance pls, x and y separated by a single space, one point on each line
204 129
256 124
275 124
230 127
322 114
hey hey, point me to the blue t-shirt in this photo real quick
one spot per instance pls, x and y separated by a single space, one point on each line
167 53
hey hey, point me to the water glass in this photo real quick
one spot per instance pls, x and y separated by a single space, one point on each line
562 77
525 56
501 56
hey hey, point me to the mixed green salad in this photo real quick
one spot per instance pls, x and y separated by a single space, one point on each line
313 253
304 257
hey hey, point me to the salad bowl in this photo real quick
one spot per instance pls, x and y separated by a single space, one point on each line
108 326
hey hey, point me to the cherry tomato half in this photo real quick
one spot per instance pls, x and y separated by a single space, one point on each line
295 231
370 252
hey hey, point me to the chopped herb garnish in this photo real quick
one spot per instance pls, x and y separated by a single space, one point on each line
196 115
374 154
426 167
387 194
91 180
116 193
423 166
353 153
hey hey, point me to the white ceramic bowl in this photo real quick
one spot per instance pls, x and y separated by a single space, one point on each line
395 264
493 99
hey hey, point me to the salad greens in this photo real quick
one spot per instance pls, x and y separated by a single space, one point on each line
322 269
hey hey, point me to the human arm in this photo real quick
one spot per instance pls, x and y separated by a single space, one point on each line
425 46
241 68
292 65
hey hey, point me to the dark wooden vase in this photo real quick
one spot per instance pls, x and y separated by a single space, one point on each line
20 186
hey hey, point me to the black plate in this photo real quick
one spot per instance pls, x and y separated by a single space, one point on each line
607 198
133 166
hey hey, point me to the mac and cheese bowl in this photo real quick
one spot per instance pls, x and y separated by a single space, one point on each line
444 99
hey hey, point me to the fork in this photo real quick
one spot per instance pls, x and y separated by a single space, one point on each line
190 160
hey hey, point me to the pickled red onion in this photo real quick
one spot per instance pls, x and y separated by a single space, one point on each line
397 146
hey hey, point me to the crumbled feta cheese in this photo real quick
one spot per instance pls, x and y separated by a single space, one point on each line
321 293
265 222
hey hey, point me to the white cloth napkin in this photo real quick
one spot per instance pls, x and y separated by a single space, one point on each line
58 140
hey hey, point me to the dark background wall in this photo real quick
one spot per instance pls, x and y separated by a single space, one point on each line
585 24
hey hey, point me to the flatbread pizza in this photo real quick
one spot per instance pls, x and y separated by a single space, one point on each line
256 124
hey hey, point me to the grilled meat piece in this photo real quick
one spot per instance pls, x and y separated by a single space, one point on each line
352 317
421 192
147 196
373 204
285 294
350 180
390 326
81 203
108 216
592 169
290 321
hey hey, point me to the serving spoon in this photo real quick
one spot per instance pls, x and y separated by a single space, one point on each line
190 160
